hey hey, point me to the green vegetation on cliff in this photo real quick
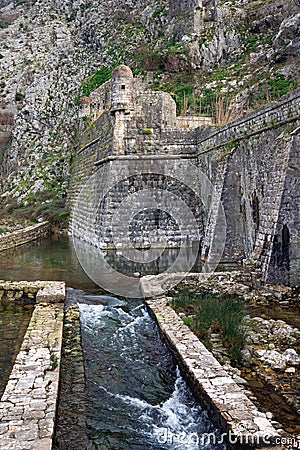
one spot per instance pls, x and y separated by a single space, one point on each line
94 81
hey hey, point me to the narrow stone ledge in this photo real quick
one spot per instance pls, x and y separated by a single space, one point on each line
28 405
218 392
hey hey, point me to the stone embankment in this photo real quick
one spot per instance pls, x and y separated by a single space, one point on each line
243 283
38 291
270 359
73 397
236 413
28 405
20 237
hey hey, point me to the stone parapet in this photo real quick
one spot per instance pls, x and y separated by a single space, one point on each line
23 236
193 121
28 405
270 116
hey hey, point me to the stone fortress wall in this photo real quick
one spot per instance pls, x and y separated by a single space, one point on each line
193 10
136 123
253 164
177 6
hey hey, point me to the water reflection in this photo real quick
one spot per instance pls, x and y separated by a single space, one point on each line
46 259
14 319
119 271
55 259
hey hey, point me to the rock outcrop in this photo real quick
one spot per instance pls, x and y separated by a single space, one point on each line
50 47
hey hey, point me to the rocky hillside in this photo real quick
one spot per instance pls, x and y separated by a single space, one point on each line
221 58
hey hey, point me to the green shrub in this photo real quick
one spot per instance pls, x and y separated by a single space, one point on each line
187 321
46 204
147 59
278 85
3 24
157 12
19 96
271 88
53 361
175 49
182 300
148 131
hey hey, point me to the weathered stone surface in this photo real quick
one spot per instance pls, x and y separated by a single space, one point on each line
51 292
24 235
287 41
40 291
32 390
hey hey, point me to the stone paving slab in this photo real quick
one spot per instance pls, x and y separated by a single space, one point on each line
218 391
28 405
52 292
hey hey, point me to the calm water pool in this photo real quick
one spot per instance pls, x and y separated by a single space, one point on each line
46 259
14 319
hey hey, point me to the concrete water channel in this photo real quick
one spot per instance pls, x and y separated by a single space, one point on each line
134 392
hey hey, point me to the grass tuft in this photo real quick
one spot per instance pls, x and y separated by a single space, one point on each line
214 314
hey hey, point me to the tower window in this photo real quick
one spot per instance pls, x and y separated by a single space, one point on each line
123 87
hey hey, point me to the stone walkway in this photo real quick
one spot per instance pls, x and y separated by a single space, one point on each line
28 405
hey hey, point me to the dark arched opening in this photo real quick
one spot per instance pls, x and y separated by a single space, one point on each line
285 247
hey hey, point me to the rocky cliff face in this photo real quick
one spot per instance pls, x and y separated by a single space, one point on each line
49 47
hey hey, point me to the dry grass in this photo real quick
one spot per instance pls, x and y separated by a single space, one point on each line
227 111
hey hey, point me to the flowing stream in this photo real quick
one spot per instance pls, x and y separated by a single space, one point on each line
137 398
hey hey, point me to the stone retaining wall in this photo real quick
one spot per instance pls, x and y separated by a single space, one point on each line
218 392
23 236
73 402
40 291
253 164
28 405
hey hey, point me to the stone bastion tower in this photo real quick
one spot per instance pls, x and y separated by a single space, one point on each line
122 104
